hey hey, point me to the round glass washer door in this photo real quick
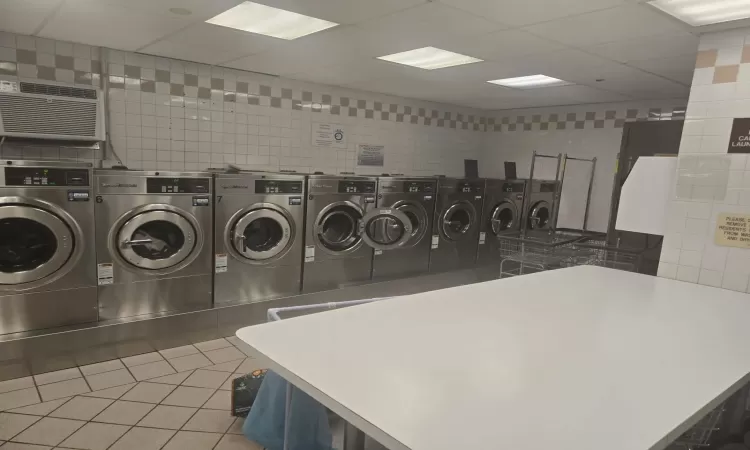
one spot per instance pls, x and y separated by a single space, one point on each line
385 228
260 235
539 216
417 215
457 220
156 239
503 217
34 244
336 228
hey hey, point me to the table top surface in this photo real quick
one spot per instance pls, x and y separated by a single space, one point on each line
584 358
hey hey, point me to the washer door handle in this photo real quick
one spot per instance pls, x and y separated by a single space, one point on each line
240 241
129 243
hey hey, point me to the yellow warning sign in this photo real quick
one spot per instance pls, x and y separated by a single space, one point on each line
733 230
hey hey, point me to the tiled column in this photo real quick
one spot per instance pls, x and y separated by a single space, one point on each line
709 180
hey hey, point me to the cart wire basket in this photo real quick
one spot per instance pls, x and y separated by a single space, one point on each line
538 252
699 435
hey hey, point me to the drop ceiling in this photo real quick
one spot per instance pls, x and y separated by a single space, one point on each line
612 50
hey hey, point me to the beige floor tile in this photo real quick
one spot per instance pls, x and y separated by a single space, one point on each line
95 436
145 358
210 421
220 400
16 399
81 408
124 413
112 393
170 417
213 345
148 393
206 379
152 370
190 362
49 431
19 446
236 442
60 375
227 386
189 440
246 349
236 427
41 409
176 352
63 389
250 365
16 384
109 379
12 424
188 396
175 379
224 355
106 366
143 439
229 367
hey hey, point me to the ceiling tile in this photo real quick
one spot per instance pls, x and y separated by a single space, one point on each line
500 45
516 13
678 68
25 16
643 85
609 25
343 11
674 44
201 9
569 65
356 70
210 44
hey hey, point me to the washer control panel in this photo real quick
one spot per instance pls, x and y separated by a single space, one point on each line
164 185
45 176
278 187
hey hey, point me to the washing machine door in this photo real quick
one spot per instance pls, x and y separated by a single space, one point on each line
35 245
156 239
260 234
336 228
503 218
419 218
457 220
385 228
540 215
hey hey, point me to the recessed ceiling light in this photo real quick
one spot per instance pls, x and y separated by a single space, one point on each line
702 12
429 58
530 82
269 21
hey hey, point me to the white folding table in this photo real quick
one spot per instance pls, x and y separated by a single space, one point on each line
584 358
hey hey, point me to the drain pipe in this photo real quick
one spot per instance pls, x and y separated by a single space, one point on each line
108 147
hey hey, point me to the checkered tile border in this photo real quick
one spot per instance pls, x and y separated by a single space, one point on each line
582 120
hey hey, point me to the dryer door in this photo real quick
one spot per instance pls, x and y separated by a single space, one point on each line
34 244
503 218
385 228
457 220
261 234
156 239
539 216
336 227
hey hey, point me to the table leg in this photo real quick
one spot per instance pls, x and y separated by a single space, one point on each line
354 439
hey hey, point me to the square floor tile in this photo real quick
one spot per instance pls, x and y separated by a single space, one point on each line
109 379
41 409
151 370
236 427
246 349
143 439
189 440
124 413
213 345
106 366
112 393
148 393
49 431
234 340
63 389
224 355
60 375
229 367
16 399
249 365
175 379
12 424
190 362
145 358
206 379
210 421
220 400
188 396
16 384
170 417
81 408
176 352
236 442
227 386
95 436
19 446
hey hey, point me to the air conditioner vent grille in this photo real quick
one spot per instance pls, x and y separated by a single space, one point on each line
59 91
48 116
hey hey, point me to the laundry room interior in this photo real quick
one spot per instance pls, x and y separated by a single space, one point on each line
176 174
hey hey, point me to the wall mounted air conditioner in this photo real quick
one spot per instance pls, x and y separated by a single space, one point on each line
51 111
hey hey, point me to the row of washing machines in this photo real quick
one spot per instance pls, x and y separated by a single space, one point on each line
80 245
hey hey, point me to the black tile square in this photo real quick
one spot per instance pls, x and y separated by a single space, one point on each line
441 123
369 114
326 99
544 126
243 87
306 96
619 123
335 110
428 121
217 84
631 114
148 86
460 117
66 62
46 73
361 104
162 76
580 125
378 106
512 127
230 97
561 125
177 89
276 102
96 67
407 110
527 127
286 93
393 108
590 115
399 117
435 114
422 112
192 80
491 121
536 118
344 101
253 99
497 127
384 115
610 115
598 124
453 124
132 71
204 93
25 56
414 119
505 121
554 118
571 117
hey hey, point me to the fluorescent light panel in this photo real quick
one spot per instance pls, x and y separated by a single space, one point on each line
704 12
269 21
530 82
429 58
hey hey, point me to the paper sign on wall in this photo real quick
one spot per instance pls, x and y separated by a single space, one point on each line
370 155
733 230
328 135
739 139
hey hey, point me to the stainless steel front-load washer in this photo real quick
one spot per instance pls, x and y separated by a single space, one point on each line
47 260
541 205
153 242
343 227
456 228
416 198
258 243
501 215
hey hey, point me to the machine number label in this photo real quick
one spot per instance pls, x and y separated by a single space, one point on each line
369 199
295 201
220 263
105 274
378 252
201 201
482 238
78 196
309 253
435 241
386 211
427 197
477 197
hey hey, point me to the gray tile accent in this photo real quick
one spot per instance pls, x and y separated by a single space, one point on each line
192 80
217 83
265 91
306 96
64 62
25 56
204 93
148 86
286 93
46 73
133 71
241 87
177 89
162 76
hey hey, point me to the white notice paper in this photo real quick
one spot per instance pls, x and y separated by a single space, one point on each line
371 155
328 135
105 274
309 253
435 241
220 264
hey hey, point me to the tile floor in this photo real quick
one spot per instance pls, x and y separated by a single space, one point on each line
175 399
